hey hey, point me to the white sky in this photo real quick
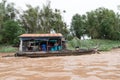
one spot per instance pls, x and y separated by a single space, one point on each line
71 6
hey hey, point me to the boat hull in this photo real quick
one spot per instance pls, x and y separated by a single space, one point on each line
54 53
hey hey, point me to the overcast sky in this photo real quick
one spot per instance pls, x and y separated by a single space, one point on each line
71 6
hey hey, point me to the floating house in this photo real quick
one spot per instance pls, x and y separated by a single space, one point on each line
43 45
41 42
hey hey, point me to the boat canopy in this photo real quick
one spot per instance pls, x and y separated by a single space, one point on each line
43 37
41 42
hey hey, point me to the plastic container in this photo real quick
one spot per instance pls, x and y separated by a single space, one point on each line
59 47
44 47
52 49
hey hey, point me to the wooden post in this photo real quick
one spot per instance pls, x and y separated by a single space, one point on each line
61 44
20 47
47 45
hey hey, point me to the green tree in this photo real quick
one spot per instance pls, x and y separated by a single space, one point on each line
78 25
36 20
101 23
11 31
29 19
58 24
92 24
7 13
46 18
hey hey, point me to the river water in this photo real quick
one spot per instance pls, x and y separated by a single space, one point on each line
104 66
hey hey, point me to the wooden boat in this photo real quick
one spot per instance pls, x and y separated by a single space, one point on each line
44 45
56 53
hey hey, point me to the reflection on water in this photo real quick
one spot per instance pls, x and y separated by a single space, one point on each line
104 66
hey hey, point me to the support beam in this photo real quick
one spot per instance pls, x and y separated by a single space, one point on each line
61 44
47 45
21 44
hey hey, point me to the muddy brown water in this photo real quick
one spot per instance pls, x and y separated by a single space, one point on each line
104 66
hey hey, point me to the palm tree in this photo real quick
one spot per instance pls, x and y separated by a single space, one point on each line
30 19
36 20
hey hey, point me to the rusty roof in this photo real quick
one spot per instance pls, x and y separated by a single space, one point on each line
42 35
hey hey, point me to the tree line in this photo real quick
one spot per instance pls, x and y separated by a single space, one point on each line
14 22
101 23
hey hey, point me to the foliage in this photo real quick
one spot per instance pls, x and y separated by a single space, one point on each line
101 23
33 20
78 25
7 12
11 31
7 48
103 45
9 27
36 20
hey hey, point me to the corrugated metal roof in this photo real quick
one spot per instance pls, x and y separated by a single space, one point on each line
42 35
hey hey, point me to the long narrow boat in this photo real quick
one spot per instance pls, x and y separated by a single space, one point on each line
43 45
55 53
